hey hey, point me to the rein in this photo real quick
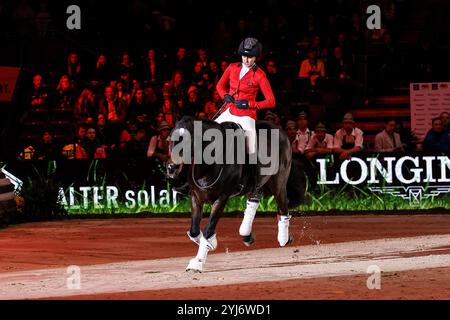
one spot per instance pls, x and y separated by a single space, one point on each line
207 187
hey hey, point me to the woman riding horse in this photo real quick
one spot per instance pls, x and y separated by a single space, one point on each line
216 183
239 87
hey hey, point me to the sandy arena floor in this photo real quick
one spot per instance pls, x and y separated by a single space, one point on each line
145 259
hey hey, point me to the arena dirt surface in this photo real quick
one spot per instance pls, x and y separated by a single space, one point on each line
89 242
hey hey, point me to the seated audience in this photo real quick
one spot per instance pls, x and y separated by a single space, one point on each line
321 142
91 145
312 68
159 145
437 138
388 140
291 130
348 140
113 107
303 132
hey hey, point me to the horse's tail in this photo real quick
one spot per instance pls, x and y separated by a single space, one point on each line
295 185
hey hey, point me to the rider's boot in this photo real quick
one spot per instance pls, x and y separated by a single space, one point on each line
252 205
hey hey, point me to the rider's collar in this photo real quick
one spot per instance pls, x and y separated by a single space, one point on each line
254 67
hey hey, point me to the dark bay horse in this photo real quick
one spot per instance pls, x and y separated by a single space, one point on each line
217 182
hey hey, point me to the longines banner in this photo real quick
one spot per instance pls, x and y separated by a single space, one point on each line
109 184
8 80
409 177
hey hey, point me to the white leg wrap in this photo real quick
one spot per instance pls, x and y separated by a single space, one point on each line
196 239
206 245
283 230
249 216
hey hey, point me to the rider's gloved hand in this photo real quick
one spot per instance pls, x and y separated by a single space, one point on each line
242 104
228 98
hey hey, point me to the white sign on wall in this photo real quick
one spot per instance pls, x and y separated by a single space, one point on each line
428 100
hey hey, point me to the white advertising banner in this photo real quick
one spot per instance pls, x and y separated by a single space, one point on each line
428 100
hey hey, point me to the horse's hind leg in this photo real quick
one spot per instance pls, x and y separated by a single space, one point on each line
284 238
197 211
208 241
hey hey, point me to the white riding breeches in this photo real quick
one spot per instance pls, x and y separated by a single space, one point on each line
247 124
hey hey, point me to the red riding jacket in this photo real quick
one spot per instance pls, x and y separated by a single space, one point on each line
245 89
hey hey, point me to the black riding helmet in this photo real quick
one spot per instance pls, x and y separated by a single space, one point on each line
250 47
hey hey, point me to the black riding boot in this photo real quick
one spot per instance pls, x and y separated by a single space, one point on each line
256 193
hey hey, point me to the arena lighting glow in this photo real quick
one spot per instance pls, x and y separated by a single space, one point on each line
108 197
421 174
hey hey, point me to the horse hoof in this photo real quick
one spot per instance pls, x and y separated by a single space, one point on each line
194 266
287 242
248 240
192 271
291 239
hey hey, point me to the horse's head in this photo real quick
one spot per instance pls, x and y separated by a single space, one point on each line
180 142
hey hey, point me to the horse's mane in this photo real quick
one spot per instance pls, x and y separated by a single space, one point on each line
187 122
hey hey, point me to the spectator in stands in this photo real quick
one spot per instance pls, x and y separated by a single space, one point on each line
152 69
123 92
437 138
170 114
348 140
104 134
303 133
73 69
159 146
312 68
182 61
126 67
113 107
203 59
338 67
445 120
132 139
65 96
272 75
139 110
193 103
101 74
321 51
213 75
321 142
85 110
388 140
38 95
46 149
200 77
212 106
92 146
291 130
75 150
176 89
223 66
347 52
410 140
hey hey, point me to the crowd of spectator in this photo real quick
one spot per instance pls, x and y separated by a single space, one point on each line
128 103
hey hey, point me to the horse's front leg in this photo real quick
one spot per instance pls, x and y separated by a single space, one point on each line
245 230
197 211
208 241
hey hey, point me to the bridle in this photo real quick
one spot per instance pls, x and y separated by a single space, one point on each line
209 186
